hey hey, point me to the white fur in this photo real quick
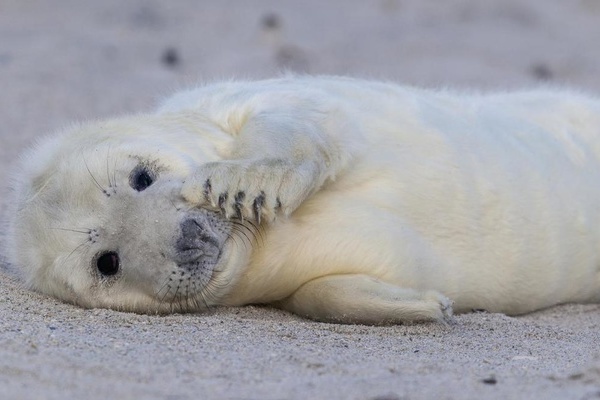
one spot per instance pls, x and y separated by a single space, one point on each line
392 199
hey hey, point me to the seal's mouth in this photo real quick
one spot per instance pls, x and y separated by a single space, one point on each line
196 253
202 237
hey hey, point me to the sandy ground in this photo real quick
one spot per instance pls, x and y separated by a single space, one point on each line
64 60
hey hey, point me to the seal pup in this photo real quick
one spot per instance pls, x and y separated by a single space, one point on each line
337 199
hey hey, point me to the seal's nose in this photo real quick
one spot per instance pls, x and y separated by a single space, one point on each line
195 241
191 228
195 232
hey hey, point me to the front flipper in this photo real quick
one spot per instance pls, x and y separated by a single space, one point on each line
275 163
361 299
252 189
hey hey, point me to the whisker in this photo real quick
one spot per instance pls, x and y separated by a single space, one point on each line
115 174
258 231
254 237
173 204
210 290
110 185
180 303
237 230
204 302
176 291
191 300
162 299
94 179
185 298
85 232
206 307
233 238
250 231
71 253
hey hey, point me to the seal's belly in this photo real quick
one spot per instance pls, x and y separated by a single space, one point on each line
495 213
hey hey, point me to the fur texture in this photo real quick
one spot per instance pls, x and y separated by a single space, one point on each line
338 199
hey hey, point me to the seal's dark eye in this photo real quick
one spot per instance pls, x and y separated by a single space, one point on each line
141 178
108 263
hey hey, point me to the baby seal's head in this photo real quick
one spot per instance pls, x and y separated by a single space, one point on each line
98 219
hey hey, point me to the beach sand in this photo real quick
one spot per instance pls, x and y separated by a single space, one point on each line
68 60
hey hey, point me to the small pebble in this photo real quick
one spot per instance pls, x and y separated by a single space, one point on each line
541 72
270 21
170 57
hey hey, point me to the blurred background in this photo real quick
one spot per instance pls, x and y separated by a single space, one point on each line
66 60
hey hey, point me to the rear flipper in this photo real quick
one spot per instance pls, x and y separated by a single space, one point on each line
361 299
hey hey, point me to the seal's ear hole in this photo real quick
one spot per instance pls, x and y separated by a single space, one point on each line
108 263
141 177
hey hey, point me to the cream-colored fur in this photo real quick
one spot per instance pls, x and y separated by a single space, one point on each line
377 203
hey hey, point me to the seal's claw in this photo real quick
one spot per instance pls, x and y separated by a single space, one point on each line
256 188
222 201
238 204
259 201
207 190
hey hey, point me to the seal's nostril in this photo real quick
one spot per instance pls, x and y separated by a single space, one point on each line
196 244
191 228
193 231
